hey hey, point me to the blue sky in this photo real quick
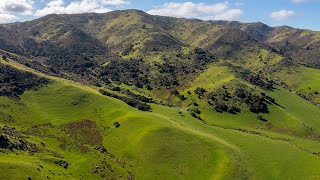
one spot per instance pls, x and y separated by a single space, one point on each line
297 13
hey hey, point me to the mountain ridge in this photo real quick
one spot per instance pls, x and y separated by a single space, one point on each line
259 31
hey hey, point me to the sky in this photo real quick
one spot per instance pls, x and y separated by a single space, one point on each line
303 14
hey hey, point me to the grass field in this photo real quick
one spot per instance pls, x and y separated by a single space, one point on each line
166 143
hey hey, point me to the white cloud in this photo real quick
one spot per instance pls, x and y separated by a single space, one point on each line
7 18
232 14
115 2
56 3
24 7
221 11
81 6
281 15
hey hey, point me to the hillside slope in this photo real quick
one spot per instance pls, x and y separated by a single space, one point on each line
127 95
72 124
301 45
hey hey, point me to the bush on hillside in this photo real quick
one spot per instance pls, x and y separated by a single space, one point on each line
131 102
200 91
4 57
180 96
116 124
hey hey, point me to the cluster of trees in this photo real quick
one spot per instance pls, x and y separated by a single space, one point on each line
74 56
173 70
131 102
11 139
133 72
221 106
62 163
311 96
195 112
138 97
251 77
14 82
4 57
224 100
139 73
161 42
200 91
256 79
180 96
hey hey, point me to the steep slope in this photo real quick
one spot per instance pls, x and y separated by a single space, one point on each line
301 45
150 51
13 83
56 44
9 39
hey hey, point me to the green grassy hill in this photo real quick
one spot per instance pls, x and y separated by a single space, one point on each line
127 95
72 123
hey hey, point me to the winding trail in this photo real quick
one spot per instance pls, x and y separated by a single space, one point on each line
217 139
287 140
191 130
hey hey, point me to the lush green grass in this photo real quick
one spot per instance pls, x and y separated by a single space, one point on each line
308 80
161 144
21 169
214 77
303 80
138 137
263 158
166 143
286 119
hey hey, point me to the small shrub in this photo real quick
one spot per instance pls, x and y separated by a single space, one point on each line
200 91
149 88
180 96
116 124
116 89
4 57
261 118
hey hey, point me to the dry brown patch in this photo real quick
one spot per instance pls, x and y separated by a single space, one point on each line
85 132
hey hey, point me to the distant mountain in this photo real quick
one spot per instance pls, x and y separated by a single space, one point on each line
300 45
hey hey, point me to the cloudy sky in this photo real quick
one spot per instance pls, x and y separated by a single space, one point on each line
296 13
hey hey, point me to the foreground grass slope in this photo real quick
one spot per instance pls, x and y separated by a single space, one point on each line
74 124
146 141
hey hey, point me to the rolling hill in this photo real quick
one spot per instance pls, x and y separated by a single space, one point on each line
128 95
